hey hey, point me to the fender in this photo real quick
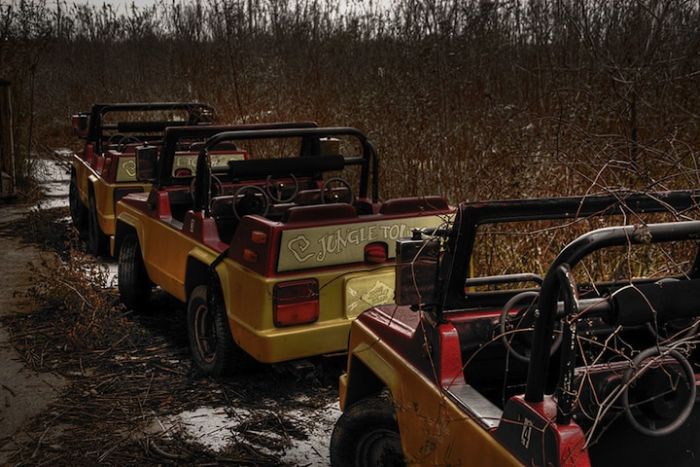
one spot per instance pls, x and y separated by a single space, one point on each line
81 180
366 354
91 192
193 275
197 269
423 412
92 179
364 382
127 222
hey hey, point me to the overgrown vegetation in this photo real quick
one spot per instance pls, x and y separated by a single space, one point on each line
130 378
473 98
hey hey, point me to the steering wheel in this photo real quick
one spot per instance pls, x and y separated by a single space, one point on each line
275 189
216 186
513 328
328 194
679 327
250 199
116 138
120 141
121 145
664 391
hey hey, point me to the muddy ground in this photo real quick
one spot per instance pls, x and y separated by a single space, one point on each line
85 381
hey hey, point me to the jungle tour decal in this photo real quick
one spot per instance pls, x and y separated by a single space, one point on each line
331 245
126 170
367 290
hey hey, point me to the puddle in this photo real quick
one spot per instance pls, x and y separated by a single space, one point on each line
217 428
54 176
208 426
315 450
111 268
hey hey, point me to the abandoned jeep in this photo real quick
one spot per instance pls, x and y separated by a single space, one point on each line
517 368
275 253
105 169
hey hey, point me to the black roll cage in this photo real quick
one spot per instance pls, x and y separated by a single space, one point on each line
455 271
173 135
195 110
569 257
310 148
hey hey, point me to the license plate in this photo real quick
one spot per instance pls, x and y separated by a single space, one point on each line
368 290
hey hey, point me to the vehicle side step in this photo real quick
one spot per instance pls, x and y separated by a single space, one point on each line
472 401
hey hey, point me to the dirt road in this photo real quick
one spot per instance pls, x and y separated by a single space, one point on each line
23 393
99 385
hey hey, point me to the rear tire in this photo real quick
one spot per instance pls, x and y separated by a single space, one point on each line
78 211
98 242
211 343
132 279
367 434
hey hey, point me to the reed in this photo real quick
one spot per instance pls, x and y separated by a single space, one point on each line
473 99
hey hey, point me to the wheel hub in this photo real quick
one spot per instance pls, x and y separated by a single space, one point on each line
205 333
380 447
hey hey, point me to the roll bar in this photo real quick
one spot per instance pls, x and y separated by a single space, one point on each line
173 135
366 161
470 216
98 111
146 106
571 255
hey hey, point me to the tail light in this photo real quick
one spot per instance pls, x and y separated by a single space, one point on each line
89 153
106 166
376 253
295 302
249 255
258 237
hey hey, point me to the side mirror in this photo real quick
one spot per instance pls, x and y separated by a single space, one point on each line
79 123
146 157
416 270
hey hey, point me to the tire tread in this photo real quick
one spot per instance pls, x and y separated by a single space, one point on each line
132 279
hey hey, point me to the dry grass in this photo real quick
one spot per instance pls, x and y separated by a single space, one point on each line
472 99
125 372
469 99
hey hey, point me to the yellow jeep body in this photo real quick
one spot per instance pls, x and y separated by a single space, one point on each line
434 430
93 180
106 168
177 256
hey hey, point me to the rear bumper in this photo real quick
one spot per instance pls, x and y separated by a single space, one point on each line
342 297
283 344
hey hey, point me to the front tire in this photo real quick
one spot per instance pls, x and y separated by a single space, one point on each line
98 242
132 279
212 346
367 434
